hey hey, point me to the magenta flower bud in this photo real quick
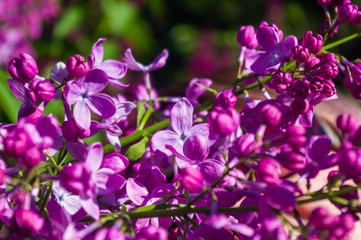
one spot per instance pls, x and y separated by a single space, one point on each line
313 43
349 160
329 88
357 20
196 147
152 232
298 90
76 179
23 69
27 222
115 161
321 219
300 54
316 85
31 113
347 123
191 179
311 62
226 99
245 144
347 221
68 129
31 158
76 66
326 70
347 12
295 136
300 106
270 115
280 81
268 171
224 121
247 37
356 73
293 161
332 174
41 91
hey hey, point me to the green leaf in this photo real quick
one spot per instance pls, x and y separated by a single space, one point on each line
208 89
9 104
69 21
137 150
141 112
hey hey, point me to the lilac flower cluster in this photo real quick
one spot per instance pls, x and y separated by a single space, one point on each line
182 169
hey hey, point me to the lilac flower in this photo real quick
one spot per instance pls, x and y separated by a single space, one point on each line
27 222
114 69
70 202
274 51
76 66
23 69
157 63
181 120
84 93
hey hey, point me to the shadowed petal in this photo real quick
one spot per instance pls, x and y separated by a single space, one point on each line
115 69
211 169
77 150
267 38
102 105
82 115
108 182
159 61
18 89
318 147
285 47
194 91
181 116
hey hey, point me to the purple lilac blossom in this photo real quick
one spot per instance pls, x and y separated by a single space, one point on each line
84 93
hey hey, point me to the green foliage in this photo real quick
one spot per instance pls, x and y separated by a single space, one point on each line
137 150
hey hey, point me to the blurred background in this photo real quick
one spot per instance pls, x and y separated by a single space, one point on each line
200 35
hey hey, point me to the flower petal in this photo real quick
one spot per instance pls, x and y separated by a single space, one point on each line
108 182
114 69
267 38
211 169
98 51
82 115
132 64
194 91
161 138
181 116
159 61
18 89
318 147
102 105
285 47
115 83
91 207
95 81
136 191
94 157
266 63
77 150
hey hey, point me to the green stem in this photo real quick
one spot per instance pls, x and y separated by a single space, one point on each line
341 41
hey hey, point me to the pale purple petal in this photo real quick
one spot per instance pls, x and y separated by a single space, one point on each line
72 204
73 92
159 61
114 69
114 140
161 138
102 105
59 219
242 229
98 51
202 129
285 47
307 117
95 81
181 116
94 157
160 191
82 115
137 192
115 83
77 150
108 182
91 207
59 72
267 38
18 89
318 147
132 64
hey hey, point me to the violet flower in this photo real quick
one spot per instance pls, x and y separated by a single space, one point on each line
114 69
157 63
274 51
84 93
181 121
